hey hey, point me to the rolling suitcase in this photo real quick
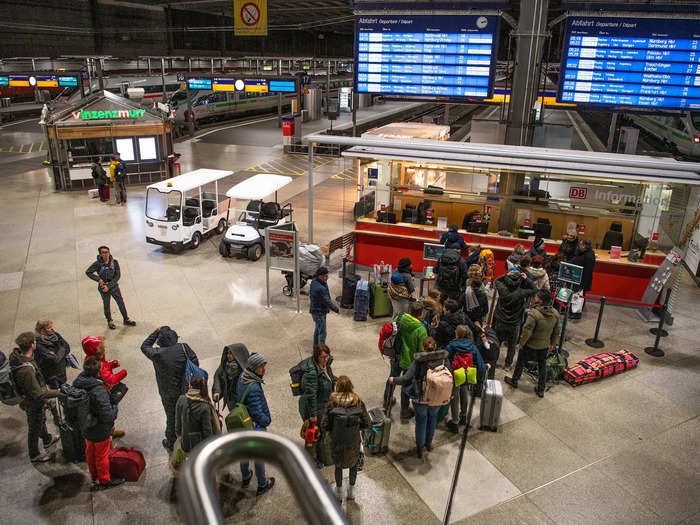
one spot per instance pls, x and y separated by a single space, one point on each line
72 441
379 302
361 300
377 435
105 192
491 402
347 300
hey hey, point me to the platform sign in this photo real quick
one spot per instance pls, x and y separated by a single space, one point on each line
631 62
199 83
282 86
19 81
224 84
250 17
426 56
64 81
256 85
4 81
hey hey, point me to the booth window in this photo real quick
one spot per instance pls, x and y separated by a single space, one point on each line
163 206
147 148
125 147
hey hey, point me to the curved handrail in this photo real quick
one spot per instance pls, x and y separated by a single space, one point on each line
196 482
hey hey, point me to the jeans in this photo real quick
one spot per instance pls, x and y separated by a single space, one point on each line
36 423
507 333
117 295
396 371
97 458
169 407
339 476
319 329
120 192
530 354
101 191
259 472
458 404
426 422
399 306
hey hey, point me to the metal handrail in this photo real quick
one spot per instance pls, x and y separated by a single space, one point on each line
196 482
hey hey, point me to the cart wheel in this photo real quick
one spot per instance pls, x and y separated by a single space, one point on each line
286 290
224 249
254 252
196 240
221 227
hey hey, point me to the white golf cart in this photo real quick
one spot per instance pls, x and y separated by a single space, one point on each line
179 213
247 236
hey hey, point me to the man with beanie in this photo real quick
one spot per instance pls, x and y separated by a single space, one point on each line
105 271
320 304
452 239
169 361
538 249
250 393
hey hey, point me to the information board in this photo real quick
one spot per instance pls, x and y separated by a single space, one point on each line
199 83
426 55
256 85
641 62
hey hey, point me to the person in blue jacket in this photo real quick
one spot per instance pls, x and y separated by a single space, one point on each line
463 344
320 304
452 239
250 385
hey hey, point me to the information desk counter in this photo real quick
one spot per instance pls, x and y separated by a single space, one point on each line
377 242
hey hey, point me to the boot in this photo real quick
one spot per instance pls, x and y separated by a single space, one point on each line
419 453
452 427
351 492
338 491
511 381
117 433
406 413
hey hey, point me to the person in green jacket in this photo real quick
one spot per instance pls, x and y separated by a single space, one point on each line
99 175
411 331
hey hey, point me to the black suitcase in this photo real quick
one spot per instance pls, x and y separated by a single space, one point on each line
72 443
347 300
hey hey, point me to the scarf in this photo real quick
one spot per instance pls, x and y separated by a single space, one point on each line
248 376
471 300
398 291
194 395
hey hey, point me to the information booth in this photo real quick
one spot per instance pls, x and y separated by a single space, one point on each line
101 125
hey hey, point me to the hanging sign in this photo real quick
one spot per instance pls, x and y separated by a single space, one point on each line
250 17
105 115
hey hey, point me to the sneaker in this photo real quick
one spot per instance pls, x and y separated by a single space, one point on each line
463 420
246 482
114 482
351 492
511 381
338 491
118 433
419 453
452 427
407 413
51 441
41 458
111 325
167 446
263 490
129 322
429 447
539 392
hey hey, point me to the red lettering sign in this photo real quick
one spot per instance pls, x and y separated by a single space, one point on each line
577 192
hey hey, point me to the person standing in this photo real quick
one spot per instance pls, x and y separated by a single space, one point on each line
585 257
539 274
540 334
411 332
251 391
452 240
99 175
514 289
320 304
31 386
513 259
569 245
195 416
317 384
451 319
105 271
227 375
537 248
51 354
475 301
345 441
97 435
451 272
169 362
401 287
118 171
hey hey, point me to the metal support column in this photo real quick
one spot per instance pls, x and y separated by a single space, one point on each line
162 78
212 66
100 76
355 103
89 73
310 228
279 97
611 133
531 34
328 85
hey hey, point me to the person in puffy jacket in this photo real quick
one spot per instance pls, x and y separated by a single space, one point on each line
411 332
317 384
195 416
475 301
320 304
451 319
105 271
398 293
452 239
537 248
250 385
51 354
569 245
233 360
539 274
513 259
432 308
450 274
585 257
97 435
514 290
463 344
169 360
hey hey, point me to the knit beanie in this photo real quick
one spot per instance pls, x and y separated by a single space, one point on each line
255 361
90 344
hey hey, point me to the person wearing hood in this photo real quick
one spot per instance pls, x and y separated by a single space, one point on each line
411 332
539 274
569 245
233 360
474 301
320 304
414 378
401 287
105 271
463 344
514 289
452 239
540 334
169 361
537 248
31 386
250 393
513 259
97 435
195 416
452 318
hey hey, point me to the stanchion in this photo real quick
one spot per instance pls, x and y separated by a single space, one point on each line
595 342
655 350
663 332
563 328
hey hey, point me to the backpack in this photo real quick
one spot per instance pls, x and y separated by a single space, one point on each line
345 424
192 370
461 360
239 417
556 364
296 373
391 346
76 407
448 273
437 389
9 393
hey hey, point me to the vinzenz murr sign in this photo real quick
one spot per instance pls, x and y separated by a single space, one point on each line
104 115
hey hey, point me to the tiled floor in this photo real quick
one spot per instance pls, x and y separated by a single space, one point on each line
623 450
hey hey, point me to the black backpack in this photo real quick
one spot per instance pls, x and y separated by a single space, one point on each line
76 407
344 426
448 273
295 374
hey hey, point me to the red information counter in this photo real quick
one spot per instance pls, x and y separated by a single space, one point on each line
377 242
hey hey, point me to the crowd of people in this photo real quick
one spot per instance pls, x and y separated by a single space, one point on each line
116 179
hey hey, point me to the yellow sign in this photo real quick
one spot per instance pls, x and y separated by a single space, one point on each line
250 17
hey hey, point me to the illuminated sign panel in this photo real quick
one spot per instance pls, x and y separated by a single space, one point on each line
256 86
283 86
4 81
19 81
643 62
426 55
224 84
109 114
199 83
68 81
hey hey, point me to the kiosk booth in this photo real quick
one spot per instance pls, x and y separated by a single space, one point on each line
101 125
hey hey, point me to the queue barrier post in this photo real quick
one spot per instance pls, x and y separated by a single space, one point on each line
655 351
567 307
594 342
663 331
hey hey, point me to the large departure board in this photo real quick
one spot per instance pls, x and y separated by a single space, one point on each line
638 62
414 56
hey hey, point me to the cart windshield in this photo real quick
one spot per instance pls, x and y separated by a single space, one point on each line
162 206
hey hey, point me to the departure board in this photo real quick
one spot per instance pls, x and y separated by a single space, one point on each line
414 56
640 62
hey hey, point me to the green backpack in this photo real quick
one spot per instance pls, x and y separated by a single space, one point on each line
556 363
239 417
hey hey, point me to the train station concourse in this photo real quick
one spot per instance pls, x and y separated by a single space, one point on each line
350 262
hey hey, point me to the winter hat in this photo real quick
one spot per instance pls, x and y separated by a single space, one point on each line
322 271
404 264
255 361
90 344
538 243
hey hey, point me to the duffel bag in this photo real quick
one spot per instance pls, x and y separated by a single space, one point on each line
599 366
127 463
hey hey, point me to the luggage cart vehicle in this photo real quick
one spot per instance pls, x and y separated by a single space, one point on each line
247 236
311 258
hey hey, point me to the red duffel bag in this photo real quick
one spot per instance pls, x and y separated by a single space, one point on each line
598 366
127 463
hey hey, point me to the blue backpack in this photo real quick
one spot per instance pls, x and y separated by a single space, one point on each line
192 370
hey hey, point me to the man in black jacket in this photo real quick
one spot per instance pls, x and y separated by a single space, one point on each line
451 274
105 271
514 289
444 333
102 416
585 257
169 360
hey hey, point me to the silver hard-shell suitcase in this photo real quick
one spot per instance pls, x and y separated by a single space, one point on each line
491 402
376 438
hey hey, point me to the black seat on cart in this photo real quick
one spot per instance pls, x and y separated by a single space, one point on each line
192 202
270 211
208 207
189 216
172 213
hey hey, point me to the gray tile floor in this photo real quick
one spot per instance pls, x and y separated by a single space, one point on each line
623 450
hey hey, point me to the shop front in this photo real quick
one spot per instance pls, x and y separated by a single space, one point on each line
100 126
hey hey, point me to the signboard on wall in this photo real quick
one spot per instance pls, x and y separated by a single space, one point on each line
250 17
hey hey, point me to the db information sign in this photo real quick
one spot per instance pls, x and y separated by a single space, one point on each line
577 192
250 17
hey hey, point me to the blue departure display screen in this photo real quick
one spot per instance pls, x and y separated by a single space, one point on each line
647 62
284 86
4 81
68 81
199 83
426 55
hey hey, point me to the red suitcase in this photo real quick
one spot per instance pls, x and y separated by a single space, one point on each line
105 192
127 463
